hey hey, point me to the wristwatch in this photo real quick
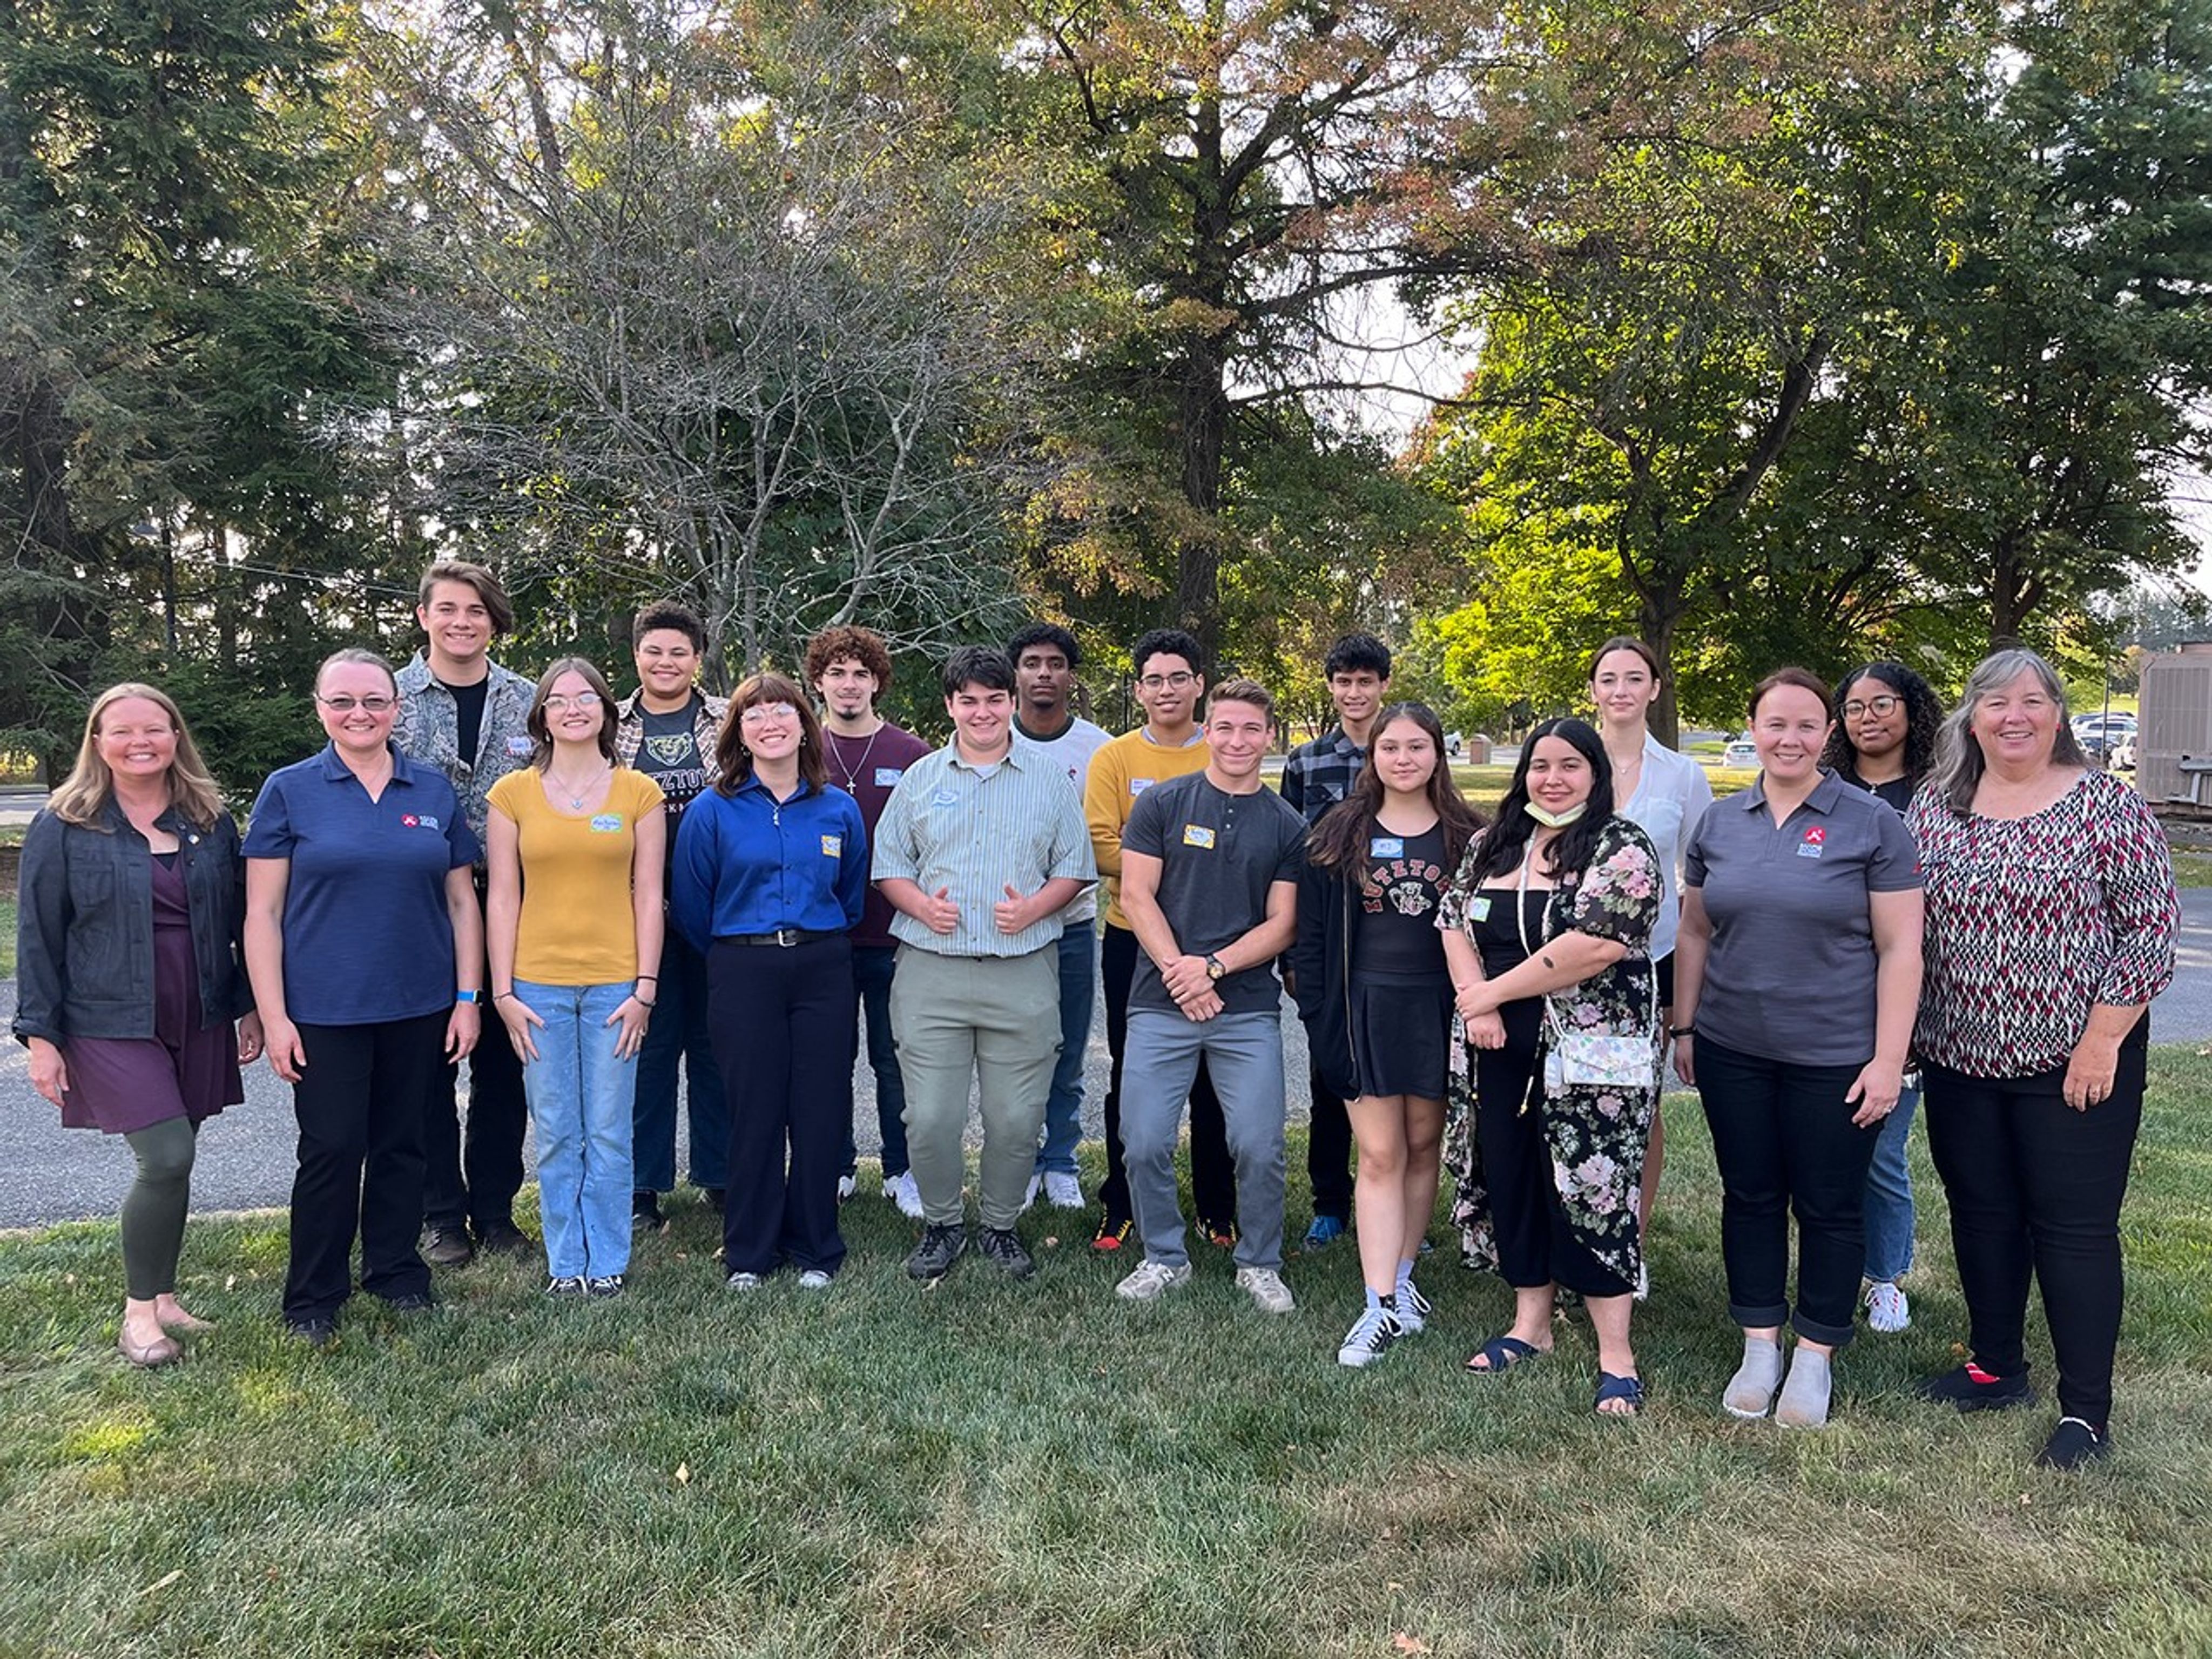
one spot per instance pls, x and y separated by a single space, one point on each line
465 996
1213 967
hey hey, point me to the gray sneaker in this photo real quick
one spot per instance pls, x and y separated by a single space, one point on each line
1370 1339
1152 1281
1412 1309
939 1249
1003 1246
1265 1288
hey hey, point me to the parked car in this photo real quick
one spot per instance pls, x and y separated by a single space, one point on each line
1741 752
2123 753
2105 727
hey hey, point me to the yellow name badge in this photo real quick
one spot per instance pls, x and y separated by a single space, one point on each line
1197 835
833 846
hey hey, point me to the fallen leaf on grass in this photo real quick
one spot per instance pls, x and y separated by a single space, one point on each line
1051 1244
231 1282
683 1474
1406 1643
163 1581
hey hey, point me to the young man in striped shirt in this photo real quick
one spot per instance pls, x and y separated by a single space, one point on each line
980 848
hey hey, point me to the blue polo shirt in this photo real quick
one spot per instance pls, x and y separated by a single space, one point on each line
746 863
366 938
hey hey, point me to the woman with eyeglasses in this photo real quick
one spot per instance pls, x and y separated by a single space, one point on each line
576 854
362 939
1884 742
129 975
771 873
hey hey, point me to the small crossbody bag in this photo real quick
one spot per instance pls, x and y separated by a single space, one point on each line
1589 1059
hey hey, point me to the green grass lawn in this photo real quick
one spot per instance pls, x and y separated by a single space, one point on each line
7 935
994 1468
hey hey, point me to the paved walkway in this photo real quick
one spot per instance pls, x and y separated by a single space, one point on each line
48 1174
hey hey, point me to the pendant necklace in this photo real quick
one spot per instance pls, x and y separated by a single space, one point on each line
853 772
576 800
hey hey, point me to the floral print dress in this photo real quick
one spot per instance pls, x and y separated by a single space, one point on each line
1596 1136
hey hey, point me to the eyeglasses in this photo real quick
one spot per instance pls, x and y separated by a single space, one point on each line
343 704
1166 681
556 703
760 713
1881 705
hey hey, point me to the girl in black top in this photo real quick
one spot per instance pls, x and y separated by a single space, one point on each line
1888 721
1376 996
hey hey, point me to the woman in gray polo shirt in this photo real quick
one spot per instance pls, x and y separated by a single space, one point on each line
1796 977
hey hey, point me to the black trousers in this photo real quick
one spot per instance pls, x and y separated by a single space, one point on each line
1213 1174
360 1160
784 1042
1535 1245
1328 1152
476 1183
2036 1186
1783 1139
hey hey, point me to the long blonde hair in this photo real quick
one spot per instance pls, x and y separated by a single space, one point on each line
83 795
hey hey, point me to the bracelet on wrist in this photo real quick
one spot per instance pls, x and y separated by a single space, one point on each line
502 996
654 978
1681 1030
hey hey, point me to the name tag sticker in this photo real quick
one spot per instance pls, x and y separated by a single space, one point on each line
944 798
606 823
1478 910
886 776
1197 835
833 846
1386 846
519 748
1138 785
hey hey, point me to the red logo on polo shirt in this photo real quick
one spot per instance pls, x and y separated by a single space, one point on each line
409 821
1816 835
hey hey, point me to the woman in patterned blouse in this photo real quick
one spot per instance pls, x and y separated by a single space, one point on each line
1548 929
2051 913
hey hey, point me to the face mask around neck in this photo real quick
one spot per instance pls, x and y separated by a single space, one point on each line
1555 820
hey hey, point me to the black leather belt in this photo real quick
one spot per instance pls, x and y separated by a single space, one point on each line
785 937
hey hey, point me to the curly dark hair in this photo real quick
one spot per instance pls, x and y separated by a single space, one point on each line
861 644
1924 719
1339 841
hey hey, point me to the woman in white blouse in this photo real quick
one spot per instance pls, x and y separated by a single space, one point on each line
1664 793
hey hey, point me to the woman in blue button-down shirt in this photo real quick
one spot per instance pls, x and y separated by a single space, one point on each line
770 873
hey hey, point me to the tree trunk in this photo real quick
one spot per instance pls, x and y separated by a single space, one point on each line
1659 612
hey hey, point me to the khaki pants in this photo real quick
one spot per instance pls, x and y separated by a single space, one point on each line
992 1022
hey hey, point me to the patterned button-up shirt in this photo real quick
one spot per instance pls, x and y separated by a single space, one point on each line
1320 774
706 712
429 730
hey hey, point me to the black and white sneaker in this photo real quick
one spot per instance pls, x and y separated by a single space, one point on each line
1411 1307
1370 1339
603 1284
561 1284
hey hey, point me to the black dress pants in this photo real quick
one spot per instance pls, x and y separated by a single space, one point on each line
1783 1139
1213 1174
1328 1152
474 1182
358 1103
2035 1186
784 1036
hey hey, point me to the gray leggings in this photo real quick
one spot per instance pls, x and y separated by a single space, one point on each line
153 1209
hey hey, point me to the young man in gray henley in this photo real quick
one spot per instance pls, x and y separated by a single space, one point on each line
980 848
1209 883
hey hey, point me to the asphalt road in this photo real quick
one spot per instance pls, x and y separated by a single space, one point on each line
49 1174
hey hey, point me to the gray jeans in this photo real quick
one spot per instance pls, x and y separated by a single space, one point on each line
1244 1054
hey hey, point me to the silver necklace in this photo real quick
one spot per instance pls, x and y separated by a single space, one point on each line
853 772
576 800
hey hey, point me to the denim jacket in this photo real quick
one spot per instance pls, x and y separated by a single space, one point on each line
429 730
84 960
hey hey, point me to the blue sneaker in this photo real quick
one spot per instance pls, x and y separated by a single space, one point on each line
1325 1232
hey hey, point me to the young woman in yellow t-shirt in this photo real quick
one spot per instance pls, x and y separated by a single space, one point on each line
568 838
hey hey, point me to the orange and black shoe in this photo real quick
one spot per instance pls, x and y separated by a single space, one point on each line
1113 1232
1221 1234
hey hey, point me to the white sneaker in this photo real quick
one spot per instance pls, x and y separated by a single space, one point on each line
1063 1191
1030 1192
814 1279
1888 1310
1152 1281
1370 1339
1265 1288
1413 1308
847 1186
902 1191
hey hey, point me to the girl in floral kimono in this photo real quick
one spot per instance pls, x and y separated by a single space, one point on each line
1548 929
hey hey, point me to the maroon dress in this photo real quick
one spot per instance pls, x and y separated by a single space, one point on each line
122 1084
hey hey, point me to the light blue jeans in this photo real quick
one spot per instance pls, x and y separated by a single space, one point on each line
580 1098
1079 994
1889 1193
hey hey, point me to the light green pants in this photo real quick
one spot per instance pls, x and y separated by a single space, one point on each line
992 1023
